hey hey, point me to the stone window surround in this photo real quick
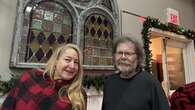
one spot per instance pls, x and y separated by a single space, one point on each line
20 33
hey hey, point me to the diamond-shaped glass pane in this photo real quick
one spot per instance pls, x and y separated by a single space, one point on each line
39 54
41 38
92 31
105 22
49 53
93 19
51 39
99 20
105 33
99 33
61 39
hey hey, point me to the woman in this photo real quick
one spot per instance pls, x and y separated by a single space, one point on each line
58 87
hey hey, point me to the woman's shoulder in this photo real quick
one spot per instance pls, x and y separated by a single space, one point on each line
31 74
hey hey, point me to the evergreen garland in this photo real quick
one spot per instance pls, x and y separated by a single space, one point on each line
88 81
155 23
6 86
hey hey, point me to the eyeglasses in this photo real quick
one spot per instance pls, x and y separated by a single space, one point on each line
126 54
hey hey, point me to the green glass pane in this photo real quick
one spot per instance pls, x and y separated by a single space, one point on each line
57 28
48 15
67 20
36 24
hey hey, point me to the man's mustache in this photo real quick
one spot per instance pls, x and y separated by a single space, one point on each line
126 62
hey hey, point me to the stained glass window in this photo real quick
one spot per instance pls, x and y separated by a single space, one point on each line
51 26
43 25
98 37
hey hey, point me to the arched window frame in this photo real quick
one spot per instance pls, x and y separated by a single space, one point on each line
24 10
79 13
99 10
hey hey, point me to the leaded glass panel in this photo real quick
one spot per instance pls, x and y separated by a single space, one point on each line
98 36
51 26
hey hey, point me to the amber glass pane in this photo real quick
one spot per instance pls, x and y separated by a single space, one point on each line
51 26
98 40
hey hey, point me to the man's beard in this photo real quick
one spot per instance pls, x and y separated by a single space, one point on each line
125 69
123 66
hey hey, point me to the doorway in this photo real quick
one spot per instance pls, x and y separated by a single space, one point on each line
170 60
175 63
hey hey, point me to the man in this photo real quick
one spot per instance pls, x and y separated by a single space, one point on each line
131 88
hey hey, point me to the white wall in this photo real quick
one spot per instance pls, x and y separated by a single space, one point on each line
157 9
7 20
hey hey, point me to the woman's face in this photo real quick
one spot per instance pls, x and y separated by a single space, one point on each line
67 65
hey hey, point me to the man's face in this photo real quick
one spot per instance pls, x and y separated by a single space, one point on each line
126 58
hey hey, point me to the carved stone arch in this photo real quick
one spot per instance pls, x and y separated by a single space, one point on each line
114 7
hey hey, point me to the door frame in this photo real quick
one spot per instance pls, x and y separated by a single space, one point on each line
188 52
